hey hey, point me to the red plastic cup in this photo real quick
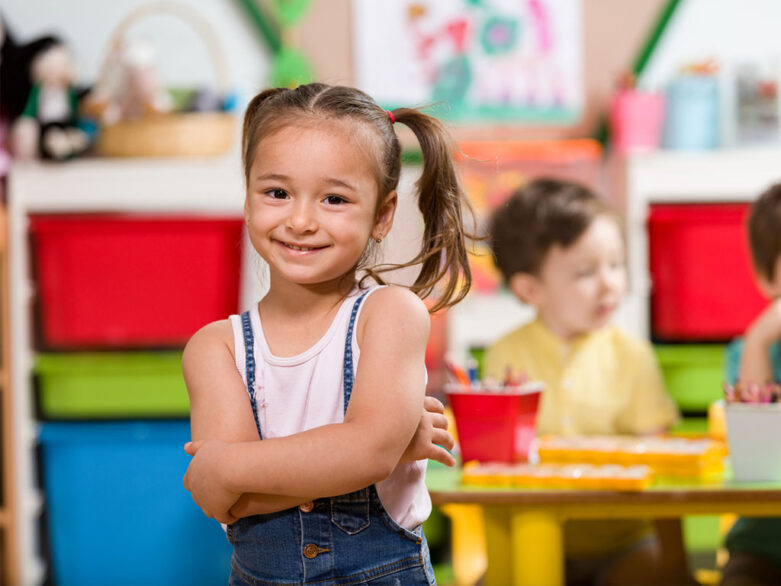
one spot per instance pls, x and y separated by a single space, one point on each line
495 425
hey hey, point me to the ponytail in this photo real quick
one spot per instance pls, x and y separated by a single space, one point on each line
441 200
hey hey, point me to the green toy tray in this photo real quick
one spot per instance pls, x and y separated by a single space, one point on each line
693 373
111 385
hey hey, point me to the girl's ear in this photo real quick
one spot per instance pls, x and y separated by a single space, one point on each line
526 287
384 218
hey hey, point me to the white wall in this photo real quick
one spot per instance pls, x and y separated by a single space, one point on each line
87 25
733 32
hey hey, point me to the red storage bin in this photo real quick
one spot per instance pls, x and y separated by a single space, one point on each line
703 286
125 281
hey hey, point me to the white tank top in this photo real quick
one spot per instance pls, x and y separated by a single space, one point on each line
298 393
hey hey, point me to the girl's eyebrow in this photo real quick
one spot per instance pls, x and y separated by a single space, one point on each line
329 180
339 183
272 177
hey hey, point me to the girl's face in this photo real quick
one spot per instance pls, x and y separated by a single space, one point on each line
580 287
311 202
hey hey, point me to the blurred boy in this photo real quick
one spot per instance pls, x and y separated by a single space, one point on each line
560 249
754 544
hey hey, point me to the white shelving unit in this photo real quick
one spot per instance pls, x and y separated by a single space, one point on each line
721 176
178 186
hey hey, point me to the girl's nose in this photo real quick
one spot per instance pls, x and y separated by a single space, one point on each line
301 218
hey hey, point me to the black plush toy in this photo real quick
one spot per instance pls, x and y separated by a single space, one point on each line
38 99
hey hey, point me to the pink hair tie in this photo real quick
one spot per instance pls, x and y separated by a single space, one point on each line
391 116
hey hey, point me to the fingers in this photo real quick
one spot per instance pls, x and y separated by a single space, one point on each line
439 421
442 455
443 438
433 405
192 447
226 518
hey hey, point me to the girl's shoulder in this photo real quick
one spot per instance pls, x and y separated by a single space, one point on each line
212 340
393 305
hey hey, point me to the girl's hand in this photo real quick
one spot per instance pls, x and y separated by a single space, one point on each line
204 480
431 435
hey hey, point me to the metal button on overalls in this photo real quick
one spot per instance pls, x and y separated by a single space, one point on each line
306 507
311 551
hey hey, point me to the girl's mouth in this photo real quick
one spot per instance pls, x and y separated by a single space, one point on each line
300 248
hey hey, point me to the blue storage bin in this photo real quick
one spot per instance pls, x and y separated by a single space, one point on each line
691 120
117 511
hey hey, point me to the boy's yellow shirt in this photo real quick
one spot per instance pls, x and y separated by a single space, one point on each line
605 382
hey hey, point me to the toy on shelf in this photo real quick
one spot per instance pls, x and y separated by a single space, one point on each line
138 117
48 127
667 456
559 476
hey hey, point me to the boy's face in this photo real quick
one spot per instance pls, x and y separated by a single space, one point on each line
580 287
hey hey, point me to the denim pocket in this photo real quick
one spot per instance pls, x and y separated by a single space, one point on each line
350 512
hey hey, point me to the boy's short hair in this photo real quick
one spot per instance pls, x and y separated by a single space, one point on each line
764 231
539 215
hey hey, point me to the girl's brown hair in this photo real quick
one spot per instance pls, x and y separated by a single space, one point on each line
443 254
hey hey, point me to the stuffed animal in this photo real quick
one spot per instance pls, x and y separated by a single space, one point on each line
48 126
129 88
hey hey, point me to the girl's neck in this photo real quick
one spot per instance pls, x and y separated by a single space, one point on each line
294 316
294 300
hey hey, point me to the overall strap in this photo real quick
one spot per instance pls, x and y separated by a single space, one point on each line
347 367
249 352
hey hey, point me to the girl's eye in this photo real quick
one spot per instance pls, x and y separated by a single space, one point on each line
334 200
277 193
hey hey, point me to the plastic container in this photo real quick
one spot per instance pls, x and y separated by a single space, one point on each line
636 121
692 113
491 170
692 374
124 281
116 510
111 385
703 287
496 426
753 434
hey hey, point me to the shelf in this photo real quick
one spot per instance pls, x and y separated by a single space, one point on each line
187 186
197 185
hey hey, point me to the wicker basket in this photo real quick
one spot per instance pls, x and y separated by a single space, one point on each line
175 134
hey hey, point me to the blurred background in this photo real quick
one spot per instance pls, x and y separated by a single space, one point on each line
122 228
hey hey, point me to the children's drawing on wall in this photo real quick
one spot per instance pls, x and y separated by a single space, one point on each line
478 60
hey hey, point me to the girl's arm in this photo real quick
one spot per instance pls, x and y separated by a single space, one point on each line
220 407
383 413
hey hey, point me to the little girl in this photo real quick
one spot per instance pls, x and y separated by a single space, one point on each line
335 492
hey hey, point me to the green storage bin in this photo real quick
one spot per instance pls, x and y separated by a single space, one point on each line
693 374
109 385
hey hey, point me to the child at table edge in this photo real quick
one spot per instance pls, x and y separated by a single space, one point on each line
754 544
560 249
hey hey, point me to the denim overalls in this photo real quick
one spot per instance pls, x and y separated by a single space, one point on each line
347 539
